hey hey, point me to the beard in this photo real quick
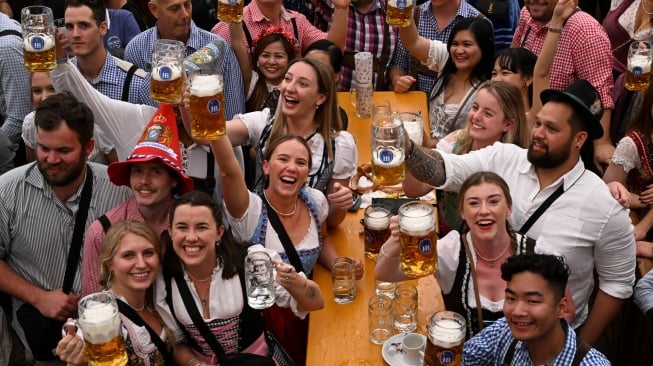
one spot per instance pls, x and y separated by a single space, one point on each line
549 159
67 172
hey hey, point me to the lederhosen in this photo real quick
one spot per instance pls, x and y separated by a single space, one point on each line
456 300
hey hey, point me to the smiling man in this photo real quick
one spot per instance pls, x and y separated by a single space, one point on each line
153 171
533 331
583 223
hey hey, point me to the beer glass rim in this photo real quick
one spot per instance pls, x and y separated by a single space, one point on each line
169 42
375 299
378 206
110 294
427 207
45 10
265 255
407 287
385 118
635 45
342 259
450 315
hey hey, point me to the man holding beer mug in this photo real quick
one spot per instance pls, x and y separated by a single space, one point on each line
585 224
533 331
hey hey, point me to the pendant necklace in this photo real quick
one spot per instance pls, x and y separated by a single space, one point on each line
294 209
204 302
491 261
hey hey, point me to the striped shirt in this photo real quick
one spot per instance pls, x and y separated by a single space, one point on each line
583 52
428 27
36 228
15 95
111 81
139 52
490 346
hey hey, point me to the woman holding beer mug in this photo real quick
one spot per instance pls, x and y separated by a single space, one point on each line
309 109
129 264
469 262
207 261
462 65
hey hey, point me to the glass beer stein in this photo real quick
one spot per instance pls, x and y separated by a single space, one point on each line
388 166
417 239
376 223
445 340
207 105
259 280
100 325
638 72
166 81
414 126
399 12
230 11
39 49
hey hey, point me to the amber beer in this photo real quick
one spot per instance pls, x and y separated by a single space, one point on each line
399 13
388 165
100 325
376 223
638 73
417 239
166 84
446 337
39 52
207 106
230 11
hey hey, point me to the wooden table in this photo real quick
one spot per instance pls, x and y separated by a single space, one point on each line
338 334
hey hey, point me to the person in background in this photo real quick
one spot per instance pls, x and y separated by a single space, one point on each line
121 28
515 66
6 154
435 21
208 260
40 203
130 249
462 65
583 52
14 86
132 7
534 327
504 16
643 295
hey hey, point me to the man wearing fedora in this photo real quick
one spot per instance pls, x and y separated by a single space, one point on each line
583 222
154 173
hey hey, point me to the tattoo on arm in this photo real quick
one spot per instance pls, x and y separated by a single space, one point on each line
310 292
427 166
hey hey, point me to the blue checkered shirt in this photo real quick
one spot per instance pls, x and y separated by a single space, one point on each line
428 27
490 346
112 77
15 94
139 52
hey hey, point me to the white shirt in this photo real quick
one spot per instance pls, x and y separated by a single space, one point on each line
585 225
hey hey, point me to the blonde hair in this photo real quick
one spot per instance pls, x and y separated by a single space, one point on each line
327 115
511 104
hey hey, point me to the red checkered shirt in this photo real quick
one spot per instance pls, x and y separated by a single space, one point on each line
583 52
257 22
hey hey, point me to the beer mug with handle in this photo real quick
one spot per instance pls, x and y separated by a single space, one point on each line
388 166
638 72
230 11
166 80
417 239
207 105
399 12
38 38
445 340
259 280
100 326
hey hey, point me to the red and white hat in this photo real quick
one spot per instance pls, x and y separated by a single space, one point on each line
160 140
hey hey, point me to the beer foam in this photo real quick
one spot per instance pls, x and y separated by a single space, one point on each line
377 220
100 323
166 72
641 61
405 3
38 43
414 220
388 157
447 333
206 85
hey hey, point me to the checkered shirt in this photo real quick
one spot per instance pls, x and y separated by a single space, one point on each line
490 346
15 92
428 27
139 52
583 52
257 22
111 80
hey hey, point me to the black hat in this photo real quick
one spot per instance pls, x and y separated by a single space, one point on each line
584 98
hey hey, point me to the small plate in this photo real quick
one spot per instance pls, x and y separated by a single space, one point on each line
393 353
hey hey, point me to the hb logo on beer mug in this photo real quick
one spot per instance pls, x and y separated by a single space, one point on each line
38 38
207 105
100 326
388 166
166 81
638 72
417 239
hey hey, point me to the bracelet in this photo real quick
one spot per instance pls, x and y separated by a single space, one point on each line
387 256
555 30
193 362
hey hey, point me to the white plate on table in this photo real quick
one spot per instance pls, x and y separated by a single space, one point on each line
393 353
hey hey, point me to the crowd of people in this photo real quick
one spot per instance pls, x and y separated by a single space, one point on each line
535 149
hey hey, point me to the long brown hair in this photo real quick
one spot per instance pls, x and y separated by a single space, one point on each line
327 115
511 104
643 121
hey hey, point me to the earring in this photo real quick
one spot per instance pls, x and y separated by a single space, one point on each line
108 286
317 106
217 243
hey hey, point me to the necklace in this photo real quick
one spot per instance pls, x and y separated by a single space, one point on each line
491 261
199 280
644 8
294 209
130 305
